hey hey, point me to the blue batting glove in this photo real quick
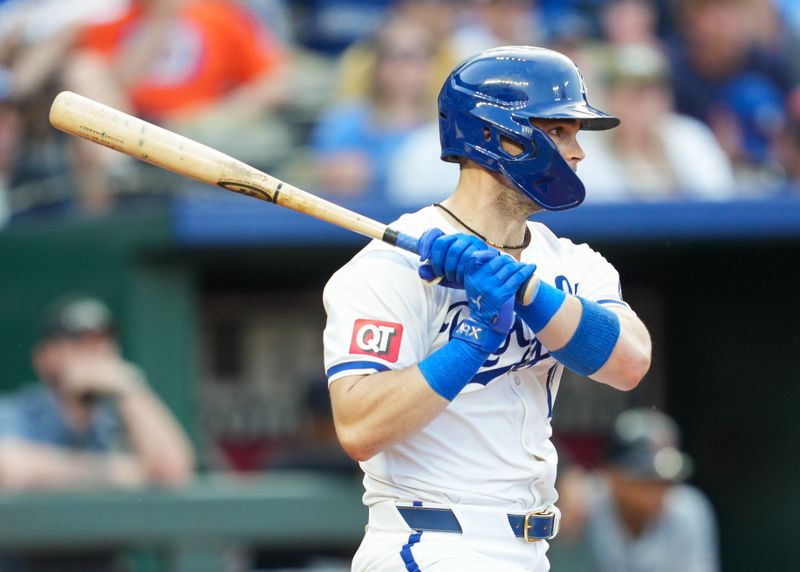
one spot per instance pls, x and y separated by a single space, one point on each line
447 256
491 281
425 242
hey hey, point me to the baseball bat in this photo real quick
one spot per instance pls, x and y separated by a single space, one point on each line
104 125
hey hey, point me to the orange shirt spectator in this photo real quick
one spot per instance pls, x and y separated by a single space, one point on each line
213 47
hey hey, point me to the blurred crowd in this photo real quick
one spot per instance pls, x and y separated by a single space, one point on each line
338 96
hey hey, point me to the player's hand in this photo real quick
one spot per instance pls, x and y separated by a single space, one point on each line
447 256
491 281
99 375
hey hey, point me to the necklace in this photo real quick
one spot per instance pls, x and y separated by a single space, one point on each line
524 244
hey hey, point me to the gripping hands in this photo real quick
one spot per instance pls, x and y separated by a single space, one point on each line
490 279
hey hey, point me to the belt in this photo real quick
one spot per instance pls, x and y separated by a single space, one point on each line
533 526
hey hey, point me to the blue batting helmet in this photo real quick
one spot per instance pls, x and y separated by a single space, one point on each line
496 93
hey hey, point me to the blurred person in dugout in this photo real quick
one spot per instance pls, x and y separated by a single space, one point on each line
66 433
91 423
208 69
355 140
637 514
656 154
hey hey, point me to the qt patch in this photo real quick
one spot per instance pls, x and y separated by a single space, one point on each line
375 338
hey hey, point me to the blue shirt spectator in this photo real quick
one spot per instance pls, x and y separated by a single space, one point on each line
62 434
722 76
33 414
350 128
354 142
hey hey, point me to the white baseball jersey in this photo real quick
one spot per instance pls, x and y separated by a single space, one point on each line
491 445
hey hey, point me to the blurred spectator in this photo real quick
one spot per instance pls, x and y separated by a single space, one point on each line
205 68
357 64
35 36
416 175
725 78
63 433
496 23
790 11
623 23
641 517
38 34
275 15
630 22
330 26
355 141
787 149
9 136
655 154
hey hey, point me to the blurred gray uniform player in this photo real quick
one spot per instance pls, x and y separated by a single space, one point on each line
444 393
643 518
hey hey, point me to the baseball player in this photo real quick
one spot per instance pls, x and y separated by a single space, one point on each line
444 393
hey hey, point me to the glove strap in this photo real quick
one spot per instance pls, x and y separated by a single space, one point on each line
477 334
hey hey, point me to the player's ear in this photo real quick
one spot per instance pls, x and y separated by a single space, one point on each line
511 147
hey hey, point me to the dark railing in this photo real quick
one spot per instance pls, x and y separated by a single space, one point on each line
192 527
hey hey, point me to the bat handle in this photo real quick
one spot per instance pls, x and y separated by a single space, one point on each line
401 240
406 242
528 290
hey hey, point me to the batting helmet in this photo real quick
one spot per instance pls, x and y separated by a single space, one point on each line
496 93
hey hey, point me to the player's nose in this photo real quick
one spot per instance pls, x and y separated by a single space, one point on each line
575 153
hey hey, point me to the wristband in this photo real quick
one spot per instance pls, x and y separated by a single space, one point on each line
451 367
593 341
543 307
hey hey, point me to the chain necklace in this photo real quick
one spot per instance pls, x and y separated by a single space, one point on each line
524 244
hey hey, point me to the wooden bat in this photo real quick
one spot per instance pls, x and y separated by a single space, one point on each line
91 120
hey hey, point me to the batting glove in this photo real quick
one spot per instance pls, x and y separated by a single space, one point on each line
491 281
447 256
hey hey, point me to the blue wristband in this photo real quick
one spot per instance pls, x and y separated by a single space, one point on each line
593 341
542 308
451 367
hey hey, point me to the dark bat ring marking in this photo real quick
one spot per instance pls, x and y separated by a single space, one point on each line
250 190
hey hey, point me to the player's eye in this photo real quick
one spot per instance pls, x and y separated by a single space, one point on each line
555 131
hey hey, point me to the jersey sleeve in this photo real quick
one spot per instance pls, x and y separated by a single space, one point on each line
377 310
600 281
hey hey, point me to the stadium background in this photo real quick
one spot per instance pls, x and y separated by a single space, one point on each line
218 298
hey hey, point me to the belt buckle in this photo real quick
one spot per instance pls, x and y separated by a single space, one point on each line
526 526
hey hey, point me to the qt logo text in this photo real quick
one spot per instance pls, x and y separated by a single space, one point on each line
375 338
